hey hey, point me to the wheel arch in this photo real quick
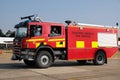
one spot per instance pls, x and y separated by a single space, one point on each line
46 48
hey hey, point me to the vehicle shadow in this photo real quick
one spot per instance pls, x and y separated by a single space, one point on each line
70 64
12 65
21 65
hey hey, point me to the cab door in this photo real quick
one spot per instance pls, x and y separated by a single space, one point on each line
56 36
36 36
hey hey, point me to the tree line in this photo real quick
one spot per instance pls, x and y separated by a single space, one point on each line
9 33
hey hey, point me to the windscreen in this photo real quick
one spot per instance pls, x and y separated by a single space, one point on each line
21 32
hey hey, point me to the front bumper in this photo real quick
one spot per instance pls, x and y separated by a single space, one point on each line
24 54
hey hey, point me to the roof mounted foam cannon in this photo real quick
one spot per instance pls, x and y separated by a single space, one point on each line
36 18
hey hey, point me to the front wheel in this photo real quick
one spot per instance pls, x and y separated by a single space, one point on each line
43 59
99 58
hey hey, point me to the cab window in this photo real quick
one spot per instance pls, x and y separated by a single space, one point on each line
55 31
35 30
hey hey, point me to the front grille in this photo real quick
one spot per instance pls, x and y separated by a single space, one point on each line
17 48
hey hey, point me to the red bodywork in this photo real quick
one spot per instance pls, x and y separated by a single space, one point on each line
87 34
33 42
79 42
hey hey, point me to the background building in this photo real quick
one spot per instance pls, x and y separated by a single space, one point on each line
6 42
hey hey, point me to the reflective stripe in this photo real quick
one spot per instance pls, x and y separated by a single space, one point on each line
31 40
37 44
80 44
56 39
60 44
45 43
94 44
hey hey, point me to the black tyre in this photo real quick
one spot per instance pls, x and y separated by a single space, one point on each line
99 58
43 59
81 61
29 63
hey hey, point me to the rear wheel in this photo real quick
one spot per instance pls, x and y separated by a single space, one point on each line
43 59
99 58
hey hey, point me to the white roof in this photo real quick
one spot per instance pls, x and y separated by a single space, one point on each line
84 24
118 27
6 39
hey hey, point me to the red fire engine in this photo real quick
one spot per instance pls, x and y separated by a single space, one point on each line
41 43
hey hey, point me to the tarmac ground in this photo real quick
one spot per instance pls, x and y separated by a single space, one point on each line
60 70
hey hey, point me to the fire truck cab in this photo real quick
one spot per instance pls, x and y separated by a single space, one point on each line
40 43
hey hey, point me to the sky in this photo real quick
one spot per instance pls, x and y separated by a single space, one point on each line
100 12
